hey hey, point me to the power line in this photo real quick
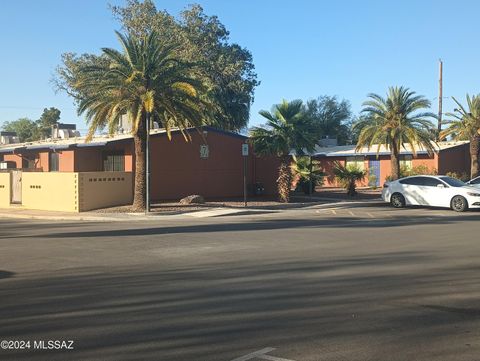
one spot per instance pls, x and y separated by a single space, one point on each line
15 107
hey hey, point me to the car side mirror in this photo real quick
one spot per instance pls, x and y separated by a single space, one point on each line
440 186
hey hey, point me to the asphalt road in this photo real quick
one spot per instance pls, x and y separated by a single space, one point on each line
365 283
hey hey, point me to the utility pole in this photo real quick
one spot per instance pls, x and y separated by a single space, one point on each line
440 97
147 165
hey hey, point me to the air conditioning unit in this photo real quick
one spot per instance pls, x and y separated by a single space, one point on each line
63 133
7 165
8 137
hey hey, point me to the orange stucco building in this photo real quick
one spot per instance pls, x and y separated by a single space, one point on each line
210 164
449 157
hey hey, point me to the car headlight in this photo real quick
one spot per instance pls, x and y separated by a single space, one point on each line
473 194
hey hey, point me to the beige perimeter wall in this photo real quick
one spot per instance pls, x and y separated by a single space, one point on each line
104 189
4 189
74 192
50 191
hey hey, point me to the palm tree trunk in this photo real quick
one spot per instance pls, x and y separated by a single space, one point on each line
474 148
395 162
284 181
139 139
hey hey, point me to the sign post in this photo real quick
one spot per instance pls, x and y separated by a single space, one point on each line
245 155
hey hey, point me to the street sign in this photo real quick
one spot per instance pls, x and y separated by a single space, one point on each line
245 150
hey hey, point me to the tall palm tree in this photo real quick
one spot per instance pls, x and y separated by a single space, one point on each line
146 82
394 121
466 126
287 129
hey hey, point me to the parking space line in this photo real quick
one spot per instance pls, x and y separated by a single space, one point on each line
261 354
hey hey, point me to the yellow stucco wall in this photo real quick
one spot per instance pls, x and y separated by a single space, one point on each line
51 191
4 190
104 189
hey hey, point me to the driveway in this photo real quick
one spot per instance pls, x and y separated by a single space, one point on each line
355 283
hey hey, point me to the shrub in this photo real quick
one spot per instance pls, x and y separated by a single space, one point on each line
372 181
461 176
421 169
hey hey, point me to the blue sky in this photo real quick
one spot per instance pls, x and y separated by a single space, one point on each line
301 49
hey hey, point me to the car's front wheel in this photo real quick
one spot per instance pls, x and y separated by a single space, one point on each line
459 204
397 200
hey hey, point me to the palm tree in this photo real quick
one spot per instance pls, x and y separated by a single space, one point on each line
348 177
466 126
287 129
146 82
397 120
308 172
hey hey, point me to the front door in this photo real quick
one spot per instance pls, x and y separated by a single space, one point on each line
374 173
16 182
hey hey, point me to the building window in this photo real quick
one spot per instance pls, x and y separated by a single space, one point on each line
406 161
357 162
114 162
53 162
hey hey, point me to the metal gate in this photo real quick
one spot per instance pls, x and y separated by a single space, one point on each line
374 173
16 182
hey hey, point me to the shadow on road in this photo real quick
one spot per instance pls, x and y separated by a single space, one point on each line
400 220
6 274
358 306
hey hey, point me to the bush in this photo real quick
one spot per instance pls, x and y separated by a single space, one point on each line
372 181
461 176
421 169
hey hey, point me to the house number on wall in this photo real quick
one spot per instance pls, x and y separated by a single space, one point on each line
204 152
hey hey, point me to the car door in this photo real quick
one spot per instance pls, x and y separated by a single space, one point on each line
436 193
412 190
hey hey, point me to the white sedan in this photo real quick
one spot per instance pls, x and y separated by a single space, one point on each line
474 182
434 191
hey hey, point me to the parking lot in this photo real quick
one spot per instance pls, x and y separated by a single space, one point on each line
351 283
387 212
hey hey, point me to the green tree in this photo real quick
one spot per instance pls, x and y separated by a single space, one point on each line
287 129
348 177
25 128
465 125
333 117
49 117
143 80
394 121
227 69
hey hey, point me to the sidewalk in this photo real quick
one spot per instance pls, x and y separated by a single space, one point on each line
22 213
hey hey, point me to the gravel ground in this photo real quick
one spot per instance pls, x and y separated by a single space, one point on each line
297 200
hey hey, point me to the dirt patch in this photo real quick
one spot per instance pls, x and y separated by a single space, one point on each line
169 207
297 200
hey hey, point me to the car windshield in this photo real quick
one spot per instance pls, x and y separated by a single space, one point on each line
453 182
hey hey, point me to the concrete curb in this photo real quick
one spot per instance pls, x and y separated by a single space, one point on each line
211 213
59 218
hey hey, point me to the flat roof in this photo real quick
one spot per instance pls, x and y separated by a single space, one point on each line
97 141
350 150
